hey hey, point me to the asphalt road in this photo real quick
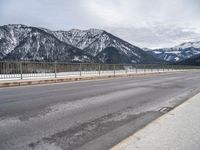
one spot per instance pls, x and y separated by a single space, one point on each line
89 115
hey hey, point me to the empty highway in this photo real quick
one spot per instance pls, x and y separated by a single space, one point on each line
88 115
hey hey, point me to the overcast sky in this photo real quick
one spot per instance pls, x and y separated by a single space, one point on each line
145 23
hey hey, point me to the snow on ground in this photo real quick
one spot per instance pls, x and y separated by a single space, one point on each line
4 77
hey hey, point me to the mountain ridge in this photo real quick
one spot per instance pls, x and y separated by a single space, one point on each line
23 42
30 43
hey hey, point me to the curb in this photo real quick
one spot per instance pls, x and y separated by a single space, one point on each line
59 80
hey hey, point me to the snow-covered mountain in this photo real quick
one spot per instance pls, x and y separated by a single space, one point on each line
20 42
95 42
193 61
177 53
84 39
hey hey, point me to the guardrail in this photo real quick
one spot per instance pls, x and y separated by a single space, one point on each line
22 70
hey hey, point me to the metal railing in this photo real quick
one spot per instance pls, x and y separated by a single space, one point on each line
22 70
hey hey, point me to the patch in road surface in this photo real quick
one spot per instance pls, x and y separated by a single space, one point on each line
77 136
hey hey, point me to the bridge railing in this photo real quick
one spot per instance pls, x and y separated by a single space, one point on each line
23 70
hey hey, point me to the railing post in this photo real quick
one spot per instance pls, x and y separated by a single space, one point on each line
21 70
136 68
126 70
163 68
55 69
99 69
114 69
80 69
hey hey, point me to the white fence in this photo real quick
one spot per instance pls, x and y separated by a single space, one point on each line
26 70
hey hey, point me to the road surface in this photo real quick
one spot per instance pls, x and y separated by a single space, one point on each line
88 115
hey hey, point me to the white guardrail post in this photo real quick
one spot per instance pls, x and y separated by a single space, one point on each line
163 67
136 68
80 69
55 69
114 69
99 69
21 70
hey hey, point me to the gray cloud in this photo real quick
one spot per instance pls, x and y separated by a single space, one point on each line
146 23
156 37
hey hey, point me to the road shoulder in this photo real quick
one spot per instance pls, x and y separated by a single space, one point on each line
176 130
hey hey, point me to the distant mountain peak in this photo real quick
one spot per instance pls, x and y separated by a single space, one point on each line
177 53
16 25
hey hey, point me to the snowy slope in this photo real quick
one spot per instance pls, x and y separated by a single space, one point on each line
20 42
177 53
10 36
195 60
94 41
